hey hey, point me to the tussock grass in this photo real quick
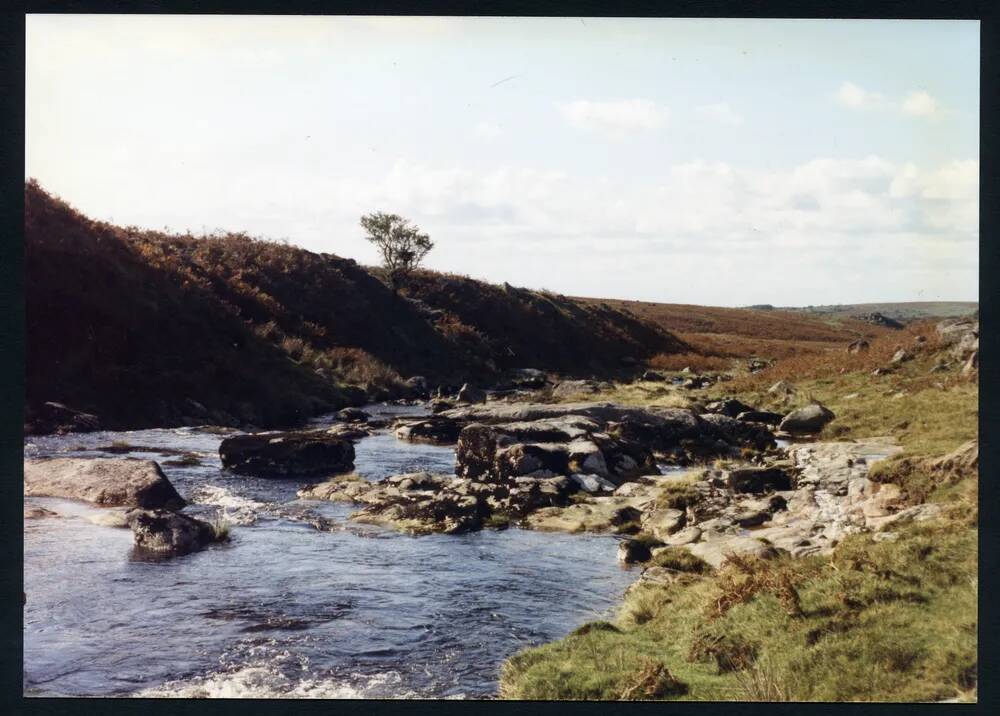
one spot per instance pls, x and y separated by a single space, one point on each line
888 621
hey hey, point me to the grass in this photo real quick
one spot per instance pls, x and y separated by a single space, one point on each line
875 621
888 621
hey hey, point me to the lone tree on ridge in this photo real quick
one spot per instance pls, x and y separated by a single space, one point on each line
401 244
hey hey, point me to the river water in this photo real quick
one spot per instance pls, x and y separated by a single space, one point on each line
301 602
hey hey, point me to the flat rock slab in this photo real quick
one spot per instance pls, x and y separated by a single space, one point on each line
111 482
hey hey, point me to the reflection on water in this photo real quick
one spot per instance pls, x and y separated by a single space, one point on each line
301 602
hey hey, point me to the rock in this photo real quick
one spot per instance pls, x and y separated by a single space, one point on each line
755 365
899 357
972 364
810 419
529 378
34 512
167 532
102 481
664 522
436 429
738 433
52 417
468 394
751 518
561 446
631 551
353 415
954 330
593 483
350 431
569 388
652 376
782 388
288 454
881 371
688 535
859 346
729 407
439 406
758 480
717 551
111 518
877 319
759 416
416 386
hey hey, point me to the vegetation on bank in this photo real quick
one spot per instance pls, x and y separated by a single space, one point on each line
891 617
145 328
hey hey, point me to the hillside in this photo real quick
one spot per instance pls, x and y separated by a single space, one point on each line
714 335
145 328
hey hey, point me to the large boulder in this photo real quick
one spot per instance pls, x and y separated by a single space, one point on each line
169 533
808 420
760 416
434 429
353 415
548 447
111 482
292 454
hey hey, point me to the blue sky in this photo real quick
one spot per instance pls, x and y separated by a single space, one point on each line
723 162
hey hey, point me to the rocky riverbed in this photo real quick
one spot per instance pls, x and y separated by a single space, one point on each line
320 589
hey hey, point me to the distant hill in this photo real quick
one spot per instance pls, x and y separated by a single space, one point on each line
904 312
764 331
147 329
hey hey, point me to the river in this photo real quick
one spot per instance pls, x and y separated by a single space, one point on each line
301 602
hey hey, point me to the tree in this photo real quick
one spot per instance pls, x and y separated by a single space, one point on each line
401 244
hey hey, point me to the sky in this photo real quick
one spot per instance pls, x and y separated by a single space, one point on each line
703 161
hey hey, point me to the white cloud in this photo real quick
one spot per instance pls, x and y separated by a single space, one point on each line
721 113
920 104
917 103
855 97
487 130
615 119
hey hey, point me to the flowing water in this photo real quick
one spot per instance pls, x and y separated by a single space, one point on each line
301 602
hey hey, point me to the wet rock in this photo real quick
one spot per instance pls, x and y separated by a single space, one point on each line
111 518
53 417
34 512
353 415
289 454
435 429
807 420
469 394
439 406
758 480
169 533
350 431
102 481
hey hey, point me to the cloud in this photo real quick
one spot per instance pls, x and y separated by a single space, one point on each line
615 119
920 104
854 97
721 113
917 103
